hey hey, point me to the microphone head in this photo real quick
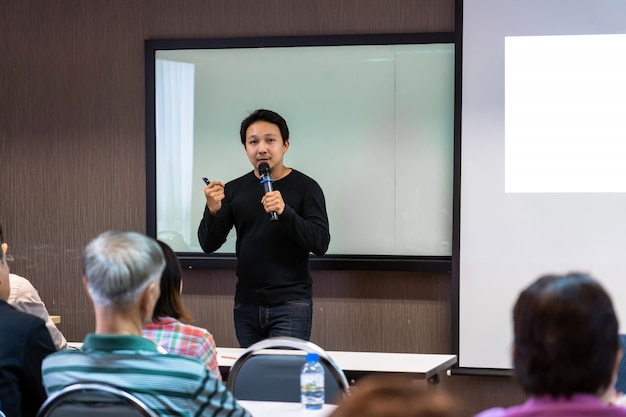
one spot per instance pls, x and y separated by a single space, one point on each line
264 168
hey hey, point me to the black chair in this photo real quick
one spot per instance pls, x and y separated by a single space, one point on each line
263 374
93 400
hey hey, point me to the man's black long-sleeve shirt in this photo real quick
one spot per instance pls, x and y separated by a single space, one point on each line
272 256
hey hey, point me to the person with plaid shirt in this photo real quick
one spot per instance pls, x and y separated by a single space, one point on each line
166 328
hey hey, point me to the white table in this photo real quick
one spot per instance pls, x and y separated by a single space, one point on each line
283 409
355 365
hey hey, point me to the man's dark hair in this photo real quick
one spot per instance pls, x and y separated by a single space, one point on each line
265 116
566 336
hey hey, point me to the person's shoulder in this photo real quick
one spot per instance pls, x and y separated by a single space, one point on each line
25 328
194 333
20 283
245 178
14 278
299 174
164 322
201 333
154 360
19 319
617 411
244 182
191 328
173 325
174 362
301 177
493 412
58 356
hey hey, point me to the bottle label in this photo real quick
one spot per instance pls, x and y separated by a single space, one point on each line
312 390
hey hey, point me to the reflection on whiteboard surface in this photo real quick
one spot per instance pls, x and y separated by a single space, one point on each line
372 124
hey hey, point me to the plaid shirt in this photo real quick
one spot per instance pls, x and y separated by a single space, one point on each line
184 339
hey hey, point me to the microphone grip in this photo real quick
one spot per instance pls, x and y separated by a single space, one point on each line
267 186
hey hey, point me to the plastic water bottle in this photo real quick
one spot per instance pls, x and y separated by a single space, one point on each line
312 383
1 413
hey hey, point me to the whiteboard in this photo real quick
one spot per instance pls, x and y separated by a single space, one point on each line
373 124
542 163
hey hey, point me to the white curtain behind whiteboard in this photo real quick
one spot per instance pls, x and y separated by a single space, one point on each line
174 102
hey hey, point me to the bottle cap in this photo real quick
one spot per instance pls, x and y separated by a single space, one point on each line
312 357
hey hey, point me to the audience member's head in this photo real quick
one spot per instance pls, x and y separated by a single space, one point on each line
170 303
122 272
394 396
566 337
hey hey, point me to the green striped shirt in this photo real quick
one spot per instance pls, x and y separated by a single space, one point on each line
171 385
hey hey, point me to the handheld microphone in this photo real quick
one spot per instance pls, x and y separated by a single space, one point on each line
268 184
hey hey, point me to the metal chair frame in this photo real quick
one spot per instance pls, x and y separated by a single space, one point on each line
94 394
284 342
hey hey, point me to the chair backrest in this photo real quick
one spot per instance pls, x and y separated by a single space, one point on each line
93 400
262 374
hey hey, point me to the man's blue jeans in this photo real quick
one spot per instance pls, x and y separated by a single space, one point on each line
254 323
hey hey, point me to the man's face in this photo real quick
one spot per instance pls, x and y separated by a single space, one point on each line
264 143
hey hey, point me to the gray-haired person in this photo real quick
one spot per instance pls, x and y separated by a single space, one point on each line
122 271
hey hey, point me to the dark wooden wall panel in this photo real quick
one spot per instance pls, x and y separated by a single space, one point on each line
406 311
72 153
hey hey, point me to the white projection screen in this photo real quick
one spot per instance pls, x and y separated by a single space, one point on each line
542 166
371 118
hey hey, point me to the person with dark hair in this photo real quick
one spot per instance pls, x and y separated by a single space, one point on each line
166 328
397 396
565 350
122 272
274 288
25 343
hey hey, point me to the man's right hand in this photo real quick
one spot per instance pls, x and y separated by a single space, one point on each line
214 194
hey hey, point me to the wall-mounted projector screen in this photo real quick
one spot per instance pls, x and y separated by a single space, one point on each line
371 119
542 163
